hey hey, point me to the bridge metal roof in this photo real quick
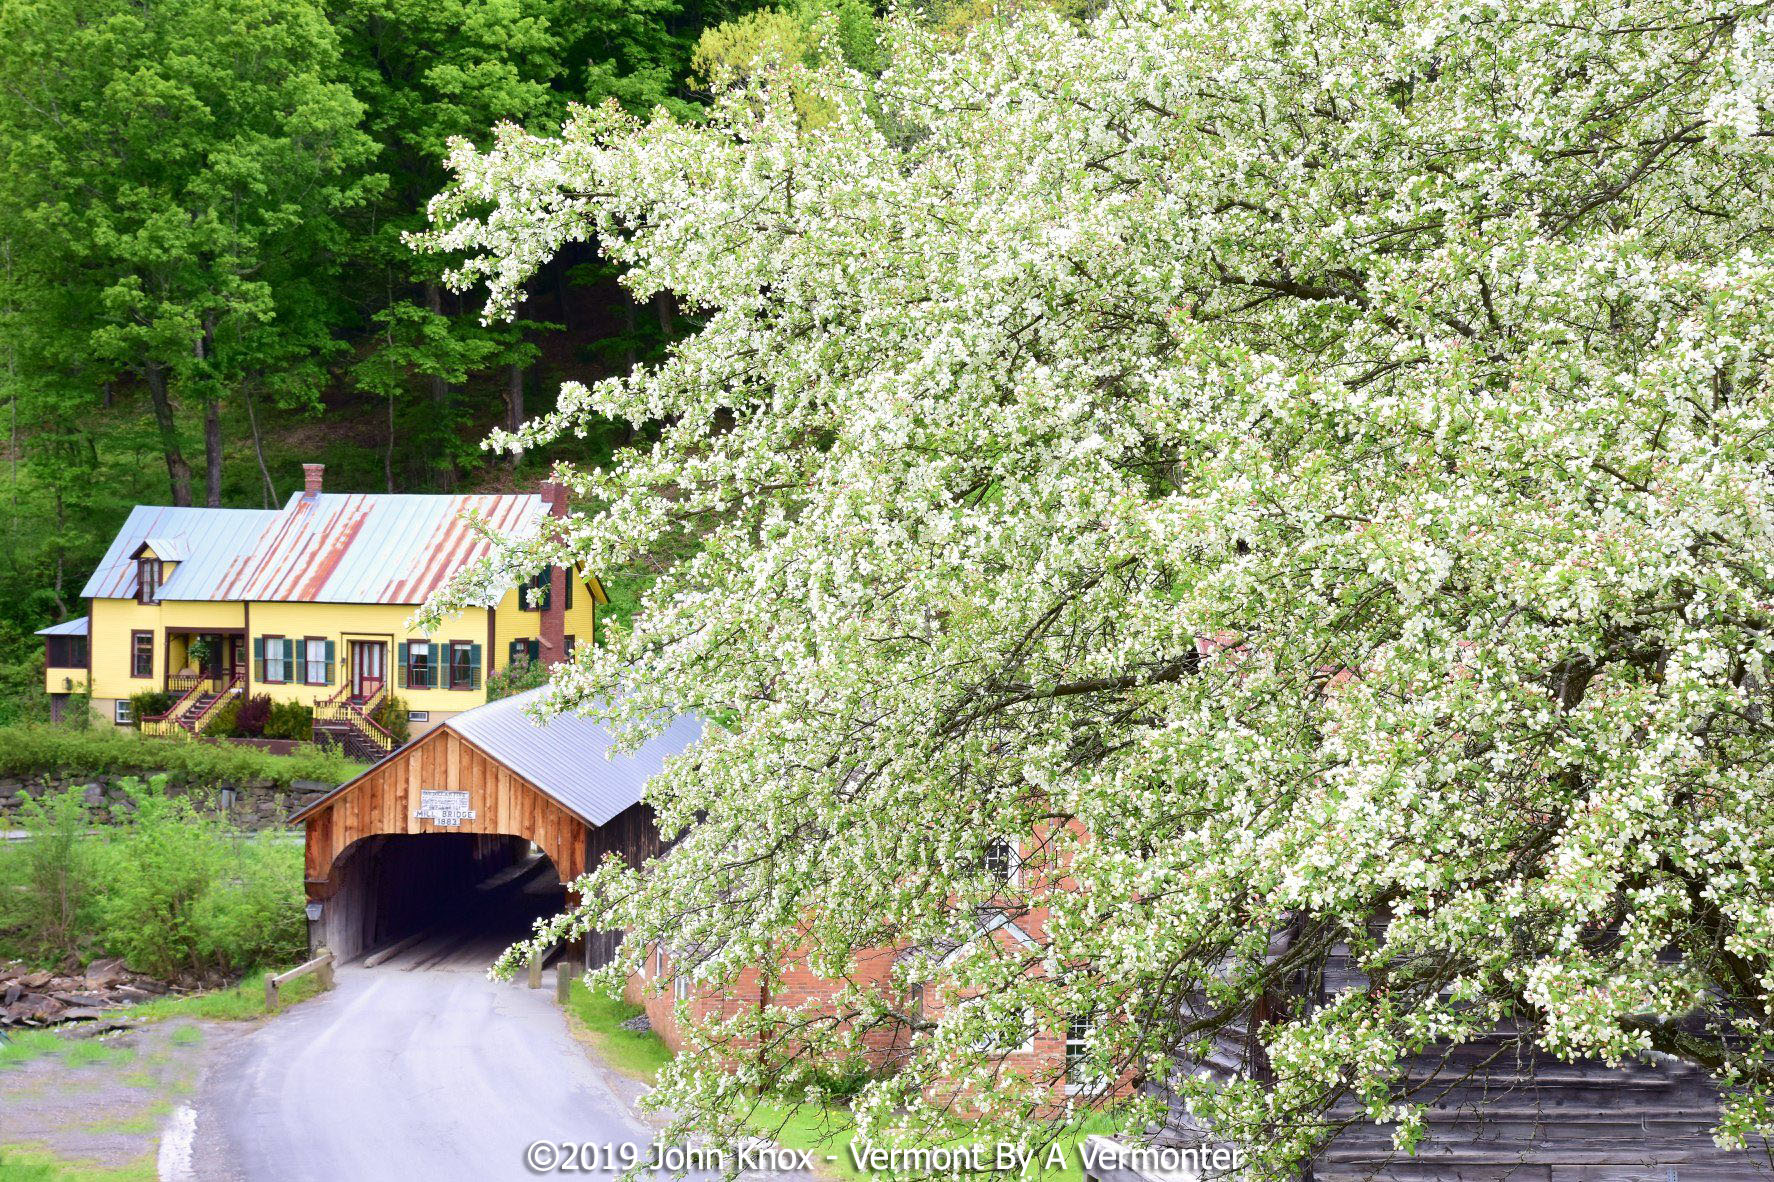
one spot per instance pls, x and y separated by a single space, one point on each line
570 757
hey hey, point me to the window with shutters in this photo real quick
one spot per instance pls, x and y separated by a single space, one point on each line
141 654
523 652
421 665
538 590
464 665
275 659
317 661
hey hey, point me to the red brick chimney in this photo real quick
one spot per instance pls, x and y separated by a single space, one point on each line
554 616
313 475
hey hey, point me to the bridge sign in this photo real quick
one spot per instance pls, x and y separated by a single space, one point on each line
443 808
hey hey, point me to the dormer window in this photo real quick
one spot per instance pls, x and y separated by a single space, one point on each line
148 572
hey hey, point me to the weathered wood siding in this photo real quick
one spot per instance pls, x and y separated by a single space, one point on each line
385 800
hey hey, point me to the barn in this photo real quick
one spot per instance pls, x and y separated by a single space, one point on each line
488 796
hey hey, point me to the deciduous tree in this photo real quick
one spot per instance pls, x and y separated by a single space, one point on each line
1306 463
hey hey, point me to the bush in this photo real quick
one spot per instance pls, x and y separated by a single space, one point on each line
184 893
290 720
255 712
221 724
391 715
47 881
169 889
149 703
35 749
522 674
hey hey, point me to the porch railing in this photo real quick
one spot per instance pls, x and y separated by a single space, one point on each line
184 683
195 722
167 723
340 708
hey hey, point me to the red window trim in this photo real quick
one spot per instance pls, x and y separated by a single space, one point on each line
303 658
265 648
142 595
135 635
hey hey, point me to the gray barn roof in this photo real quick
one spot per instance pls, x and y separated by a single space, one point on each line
570 757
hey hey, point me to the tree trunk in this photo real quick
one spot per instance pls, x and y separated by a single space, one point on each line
178 472
440 401
252 418
212 452
629 328
667 308
514 406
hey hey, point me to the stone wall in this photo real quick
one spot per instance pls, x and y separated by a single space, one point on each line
251 804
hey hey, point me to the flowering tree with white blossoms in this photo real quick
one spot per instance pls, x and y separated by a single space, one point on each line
1307 462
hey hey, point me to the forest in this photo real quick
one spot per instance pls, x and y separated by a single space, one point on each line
204 274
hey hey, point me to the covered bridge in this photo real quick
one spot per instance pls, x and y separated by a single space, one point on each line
403 847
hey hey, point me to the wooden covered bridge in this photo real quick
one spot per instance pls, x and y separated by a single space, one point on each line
401 849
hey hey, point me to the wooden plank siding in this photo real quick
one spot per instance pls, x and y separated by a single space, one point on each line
385 798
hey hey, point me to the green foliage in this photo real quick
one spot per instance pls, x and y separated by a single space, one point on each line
391 715
520 675
36 749
150 703
183 893
168 888
290 720
221 724
47 887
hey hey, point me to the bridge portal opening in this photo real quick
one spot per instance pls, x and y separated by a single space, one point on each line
443 898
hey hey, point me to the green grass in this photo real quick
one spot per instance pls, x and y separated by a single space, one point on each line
24 1045
237 1003
602 1014
32 749
31 1164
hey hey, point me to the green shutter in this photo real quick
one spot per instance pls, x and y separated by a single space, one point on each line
259 658
329 663
567 579
535 650
474 666
400 667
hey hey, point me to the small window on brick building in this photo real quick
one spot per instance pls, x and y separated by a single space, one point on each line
1002 862
680 986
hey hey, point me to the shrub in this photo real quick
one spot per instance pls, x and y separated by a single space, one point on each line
391 715
522 674
47 880
183 893
255 712
221 724
290 720
148 703
34 749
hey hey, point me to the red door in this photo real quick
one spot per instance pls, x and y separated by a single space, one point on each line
369 660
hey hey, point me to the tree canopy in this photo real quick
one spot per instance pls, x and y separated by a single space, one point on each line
1303 467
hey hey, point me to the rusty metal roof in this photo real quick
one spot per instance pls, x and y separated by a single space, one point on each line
372 547
319 548
212 538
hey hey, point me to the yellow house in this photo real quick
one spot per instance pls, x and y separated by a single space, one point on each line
309 603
